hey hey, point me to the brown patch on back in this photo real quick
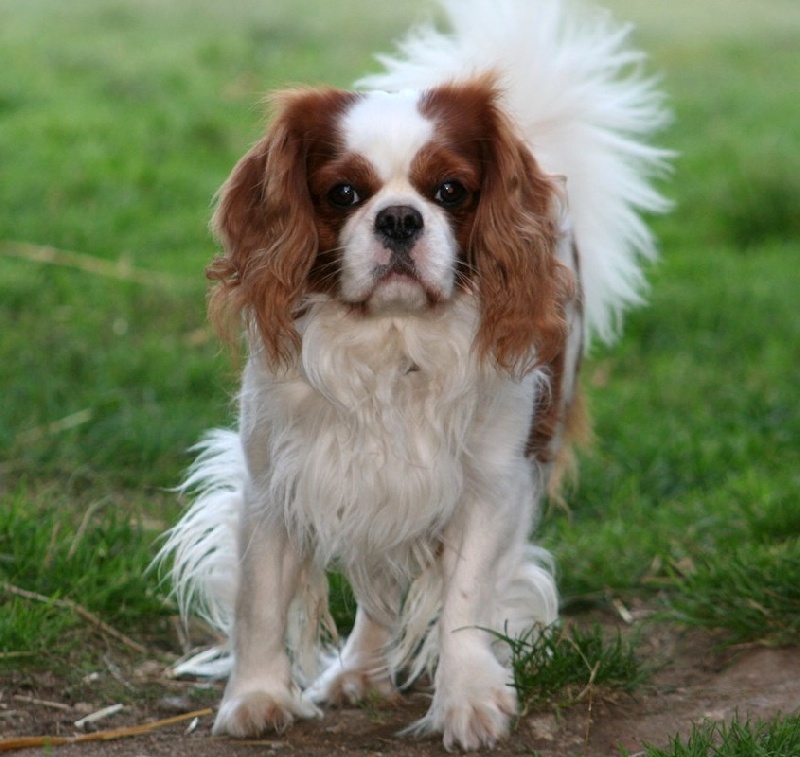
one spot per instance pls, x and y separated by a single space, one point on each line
562 423
548 414
577 435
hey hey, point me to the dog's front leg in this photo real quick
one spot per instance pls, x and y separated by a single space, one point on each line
261 695
474 699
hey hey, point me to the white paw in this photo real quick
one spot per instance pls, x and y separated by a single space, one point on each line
340 685
472 724
472 707
254 713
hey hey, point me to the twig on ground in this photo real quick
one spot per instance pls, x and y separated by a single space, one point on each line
42 702
56 427
84 525
78 610
116 673
120 269
14 655
98 715
31 742
623 612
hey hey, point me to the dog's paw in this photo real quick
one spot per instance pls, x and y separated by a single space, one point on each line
254 713
473 724
340 685
472 708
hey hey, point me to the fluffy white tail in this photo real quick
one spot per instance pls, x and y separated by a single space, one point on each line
577 91
203 556
203 546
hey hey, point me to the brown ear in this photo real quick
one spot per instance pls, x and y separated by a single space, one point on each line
523 288
264 220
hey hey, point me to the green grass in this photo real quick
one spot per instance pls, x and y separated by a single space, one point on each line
565 666
63 575
118 122
746 592
738 738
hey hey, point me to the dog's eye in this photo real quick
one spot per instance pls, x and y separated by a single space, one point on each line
344 196
450 193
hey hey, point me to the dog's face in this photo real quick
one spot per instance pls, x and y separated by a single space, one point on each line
394 202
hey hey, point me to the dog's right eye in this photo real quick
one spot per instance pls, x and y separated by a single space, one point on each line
344 196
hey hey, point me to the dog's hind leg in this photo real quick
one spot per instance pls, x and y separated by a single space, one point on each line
359 670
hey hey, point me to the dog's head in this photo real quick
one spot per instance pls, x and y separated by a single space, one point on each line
394 202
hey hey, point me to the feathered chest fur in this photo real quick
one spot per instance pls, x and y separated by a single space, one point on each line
367 444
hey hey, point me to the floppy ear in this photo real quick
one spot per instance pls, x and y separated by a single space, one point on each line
264 220
523 289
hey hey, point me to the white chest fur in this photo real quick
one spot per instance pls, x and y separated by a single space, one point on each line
364 448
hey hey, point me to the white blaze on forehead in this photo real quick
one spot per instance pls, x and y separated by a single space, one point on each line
387 129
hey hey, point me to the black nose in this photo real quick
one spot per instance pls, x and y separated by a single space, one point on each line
398 225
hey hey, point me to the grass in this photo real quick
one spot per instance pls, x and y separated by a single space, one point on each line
746 593
567 665
739 738
62 576
118 122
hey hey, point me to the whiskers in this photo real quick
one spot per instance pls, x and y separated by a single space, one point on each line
324 274
465 275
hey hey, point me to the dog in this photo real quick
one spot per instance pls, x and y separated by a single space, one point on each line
418 266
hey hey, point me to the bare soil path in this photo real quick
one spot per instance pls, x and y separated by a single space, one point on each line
696 681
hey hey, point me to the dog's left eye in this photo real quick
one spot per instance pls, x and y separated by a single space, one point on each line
450 193
344 196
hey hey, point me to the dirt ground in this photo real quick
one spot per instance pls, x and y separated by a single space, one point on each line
696 681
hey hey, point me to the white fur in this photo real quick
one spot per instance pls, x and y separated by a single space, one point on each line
389 129
387 449
385 443
433 255
576 90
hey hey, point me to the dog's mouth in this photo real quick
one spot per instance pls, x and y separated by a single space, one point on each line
400 267
399 285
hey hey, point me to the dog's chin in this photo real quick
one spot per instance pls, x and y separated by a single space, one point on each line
402 293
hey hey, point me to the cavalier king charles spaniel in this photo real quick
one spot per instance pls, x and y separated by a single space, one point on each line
417 265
